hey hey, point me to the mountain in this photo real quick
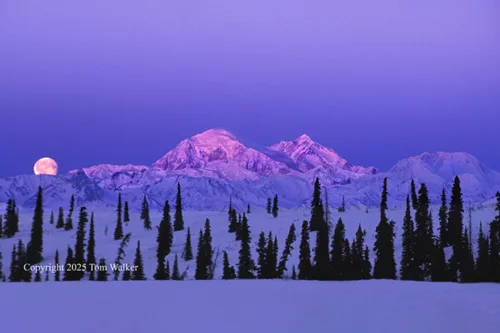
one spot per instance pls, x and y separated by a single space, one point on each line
213 166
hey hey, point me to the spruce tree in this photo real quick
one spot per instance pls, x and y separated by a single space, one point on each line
290 239
367 265
118 234
438 265
261 259
46 276
342 207
414 197
231 217
201 267
2 276
58 269
68 225
275 206
175 270
91 259
455 227
294 274
466 265
60 219
51 220
237 226
79 256
357 254
328 218
208 250
187 253
167 271
347 267
494 251
443 221
38 276
482 265
164 241
127 275
121 254
407 266
248 209
423 245
69 273
305 266
317 214
102 273
337 253
145 214
1 226
178 219
11 219
228 272
126 214
138 273
14 264
385 264
268 206
245 265
270 268
34 255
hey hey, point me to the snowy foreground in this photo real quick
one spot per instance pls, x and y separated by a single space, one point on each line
250 307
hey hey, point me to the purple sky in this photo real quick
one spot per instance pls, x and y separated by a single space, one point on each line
89 82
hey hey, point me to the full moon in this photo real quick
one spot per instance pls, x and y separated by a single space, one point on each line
45 166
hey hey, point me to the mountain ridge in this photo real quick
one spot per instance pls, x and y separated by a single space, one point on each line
213 166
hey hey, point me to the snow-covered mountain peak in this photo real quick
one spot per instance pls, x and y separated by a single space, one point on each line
307 154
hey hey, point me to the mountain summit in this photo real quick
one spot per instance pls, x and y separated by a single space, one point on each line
304 154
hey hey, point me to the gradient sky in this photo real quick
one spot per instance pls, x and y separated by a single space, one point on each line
89 82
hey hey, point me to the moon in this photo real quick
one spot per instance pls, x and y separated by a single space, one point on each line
45 166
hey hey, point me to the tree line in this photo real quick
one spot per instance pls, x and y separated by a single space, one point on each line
426 256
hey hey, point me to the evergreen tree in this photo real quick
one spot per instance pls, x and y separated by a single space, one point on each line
208 250
290 239
407 266
79 256
102 272
69 219
466 267
127 275
248 209
482 265
317 214
305 266
337 253
237 226
423 245
245 265
51 220
38 276
91 259
2 276
328 218
175 270
494 251
34 255
347 272
268 206
357 254
455 227
126 214
443 221
201 267
342 207
167 271
187 254
269 271
58 270
164 241
1 226
414 197
261 260
138 273
60 219
69 273
14 266
231 217
275 206
294 273
438 265
11 219
228 272
367 265
145 214
46 276
121 254
118 234
385 265
178 219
